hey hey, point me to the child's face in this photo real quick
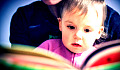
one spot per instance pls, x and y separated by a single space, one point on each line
80 31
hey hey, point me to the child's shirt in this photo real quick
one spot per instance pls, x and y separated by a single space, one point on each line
56 46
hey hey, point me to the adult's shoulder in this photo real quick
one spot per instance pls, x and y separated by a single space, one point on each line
111 10
34 6
112 24
32 12
112 15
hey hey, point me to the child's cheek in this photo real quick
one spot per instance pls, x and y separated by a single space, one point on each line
89 40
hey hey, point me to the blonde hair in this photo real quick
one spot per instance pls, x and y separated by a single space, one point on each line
82 6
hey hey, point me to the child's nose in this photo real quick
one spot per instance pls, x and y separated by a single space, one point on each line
78 34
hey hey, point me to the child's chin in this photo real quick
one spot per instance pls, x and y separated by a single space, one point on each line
77 51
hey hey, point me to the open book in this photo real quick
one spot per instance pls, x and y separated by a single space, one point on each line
106 57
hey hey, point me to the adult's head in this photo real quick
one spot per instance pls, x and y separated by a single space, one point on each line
51 2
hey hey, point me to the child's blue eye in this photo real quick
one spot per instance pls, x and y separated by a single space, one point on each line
71 27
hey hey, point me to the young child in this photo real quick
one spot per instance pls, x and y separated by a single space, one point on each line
81 23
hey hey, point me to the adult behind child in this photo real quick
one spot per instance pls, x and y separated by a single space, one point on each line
79 30
34 23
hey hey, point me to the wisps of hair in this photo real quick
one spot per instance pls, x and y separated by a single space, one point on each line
82 6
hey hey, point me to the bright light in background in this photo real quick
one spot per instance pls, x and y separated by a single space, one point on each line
9 7
114 4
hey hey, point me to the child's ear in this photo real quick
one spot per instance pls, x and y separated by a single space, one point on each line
100 32
60 24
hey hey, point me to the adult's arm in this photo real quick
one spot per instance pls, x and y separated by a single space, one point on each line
18 28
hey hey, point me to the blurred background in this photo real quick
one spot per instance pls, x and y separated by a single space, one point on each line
9 7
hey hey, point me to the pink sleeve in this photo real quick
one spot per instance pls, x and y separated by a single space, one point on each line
44 45
50 45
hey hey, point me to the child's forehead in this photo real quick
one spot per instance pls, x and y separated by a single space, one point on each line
92 7
87 18
81 13
95 10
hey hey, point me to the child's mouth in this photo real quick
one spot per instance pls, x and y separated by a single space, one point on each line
76 45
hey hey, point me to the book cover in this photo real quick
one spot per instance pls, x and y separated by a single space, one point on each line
21 57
